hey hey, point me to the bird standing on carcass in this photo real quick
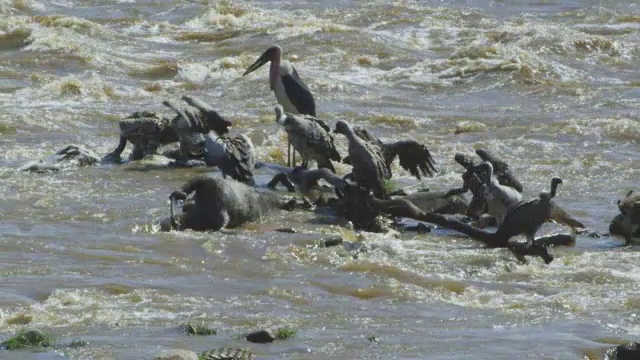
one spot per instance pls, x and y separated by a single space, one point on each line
309 136
526 217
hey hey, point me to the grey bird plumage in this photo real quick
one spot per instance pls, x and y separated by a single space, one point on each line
526 217
499 198
501 170
309 136
370 169
233 155
414 156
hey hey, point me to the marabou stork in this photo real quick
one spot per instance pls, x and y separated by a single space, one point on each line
290 91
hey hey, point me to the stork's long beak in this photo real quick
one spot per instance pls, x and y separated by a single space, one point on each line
263 59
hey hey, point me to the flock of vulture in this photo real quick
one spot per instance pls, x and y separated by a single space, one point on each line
364 191
495 190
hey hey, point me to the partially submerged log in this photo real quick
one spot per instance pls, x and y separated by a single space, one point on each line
472 182
361 208
439 202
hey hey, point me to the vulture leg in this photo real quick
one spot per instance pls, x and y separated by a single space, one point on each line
115 154
530 239
281 179
327 165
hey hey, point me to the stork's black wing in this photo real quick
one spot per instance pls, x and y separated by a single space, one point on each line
299 94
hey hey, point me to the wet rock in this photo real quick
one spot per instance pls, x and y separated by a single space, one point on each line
597 235
177 354
420 228
330 241
260 336
286 230
226 354
355 248
629 351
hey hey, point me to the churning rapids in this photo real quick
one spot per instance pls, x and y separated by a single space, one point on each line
553 87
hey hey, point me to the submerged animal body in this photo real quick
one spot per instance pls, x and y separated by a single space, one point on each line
147 131
70 157
221 203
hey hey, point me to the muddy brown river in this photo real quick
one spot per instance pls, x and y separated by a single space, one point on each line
551 86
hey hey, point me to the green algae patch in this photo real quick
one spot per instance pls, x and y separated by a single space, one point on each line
7 129
191 329
388 185
464 127
71 87
285 333
29 338
276 155
14 39
78 343
117 289
19 319
390 120
208 37
162 70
